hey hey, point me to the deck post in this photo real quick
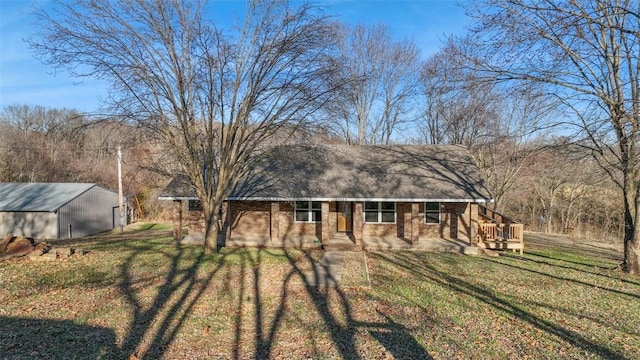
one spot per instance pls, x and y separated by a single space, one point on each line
415 223
357 222
473 224
177 220
275 222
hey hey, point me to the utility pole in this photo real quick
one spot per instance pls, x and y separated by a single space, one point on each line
120 198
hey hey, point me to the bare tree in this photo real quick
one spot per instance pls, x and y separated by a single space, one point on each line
378 78
495 122
40 143
586 53
458 108
213 99
562 189
521 115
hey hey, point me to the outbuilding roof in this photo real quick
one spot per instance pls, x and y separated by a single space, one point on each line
352 173
39 197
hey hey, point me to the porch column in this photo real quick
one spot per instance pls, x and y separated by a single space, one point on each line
357 222
225 229
275 221
325 222
415 223
473 223
177 220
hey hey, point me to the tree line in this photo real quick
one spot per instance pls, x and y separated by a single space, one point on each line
39 144
543 92
546 187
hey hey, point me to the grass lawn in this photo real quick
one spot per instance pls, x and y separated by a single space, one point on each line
137 295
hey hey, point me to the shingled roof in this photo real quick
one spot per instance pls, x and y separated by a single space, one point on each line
44 197
352 173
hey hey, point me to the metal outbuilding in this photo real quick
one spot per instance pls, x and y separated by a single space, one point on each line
56 210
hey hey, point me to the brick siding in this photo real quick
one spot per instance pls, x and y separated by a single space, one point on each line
253 219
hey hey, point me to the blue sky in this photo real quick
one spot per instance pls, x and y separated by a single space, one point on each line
24 80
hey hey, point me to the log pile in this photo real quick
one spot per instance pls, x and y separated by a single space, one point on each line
20 246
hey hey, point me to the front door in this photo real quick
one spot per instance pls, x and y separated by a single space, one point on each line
345 218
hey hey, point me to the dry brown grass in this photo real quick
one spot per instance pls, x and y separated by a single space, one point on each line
138 294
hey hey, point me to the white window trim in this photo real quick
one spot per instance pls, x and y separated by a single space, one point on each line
380 211
309 210
439 213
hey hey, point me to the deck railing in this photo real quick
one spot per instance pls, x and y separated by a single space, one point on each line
493 231
496 231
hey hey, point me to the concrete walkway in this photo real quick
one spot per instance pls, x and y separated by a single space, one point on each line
328 271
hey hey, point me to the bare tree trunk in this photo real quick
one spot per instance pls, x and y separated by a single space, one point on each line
211 233
631 261
376 77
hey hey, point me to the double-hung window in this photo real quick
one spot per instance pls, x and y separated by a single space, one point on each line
432 213
308 211
379 212
195 205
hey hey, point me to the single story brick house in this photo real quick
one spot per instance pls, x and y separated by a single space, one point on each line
319 194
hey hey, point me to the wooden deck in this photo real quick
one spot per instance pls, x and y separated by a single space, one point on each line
496 231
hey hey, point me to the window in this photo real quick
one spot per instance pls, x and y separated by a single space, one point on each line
308 211
432 213
195 205
379 212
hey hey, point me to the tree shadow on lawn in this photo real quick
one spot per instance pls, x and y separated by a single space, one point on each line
267 315
156 323
579 282
412 265
159 304
265 335
153 325
396 339
27 338
110 240
574 313
156 307
567 267
582 315
342 325
549 242
156 320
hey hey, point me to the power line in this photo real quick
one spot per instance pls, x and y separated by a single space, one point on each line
109 149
